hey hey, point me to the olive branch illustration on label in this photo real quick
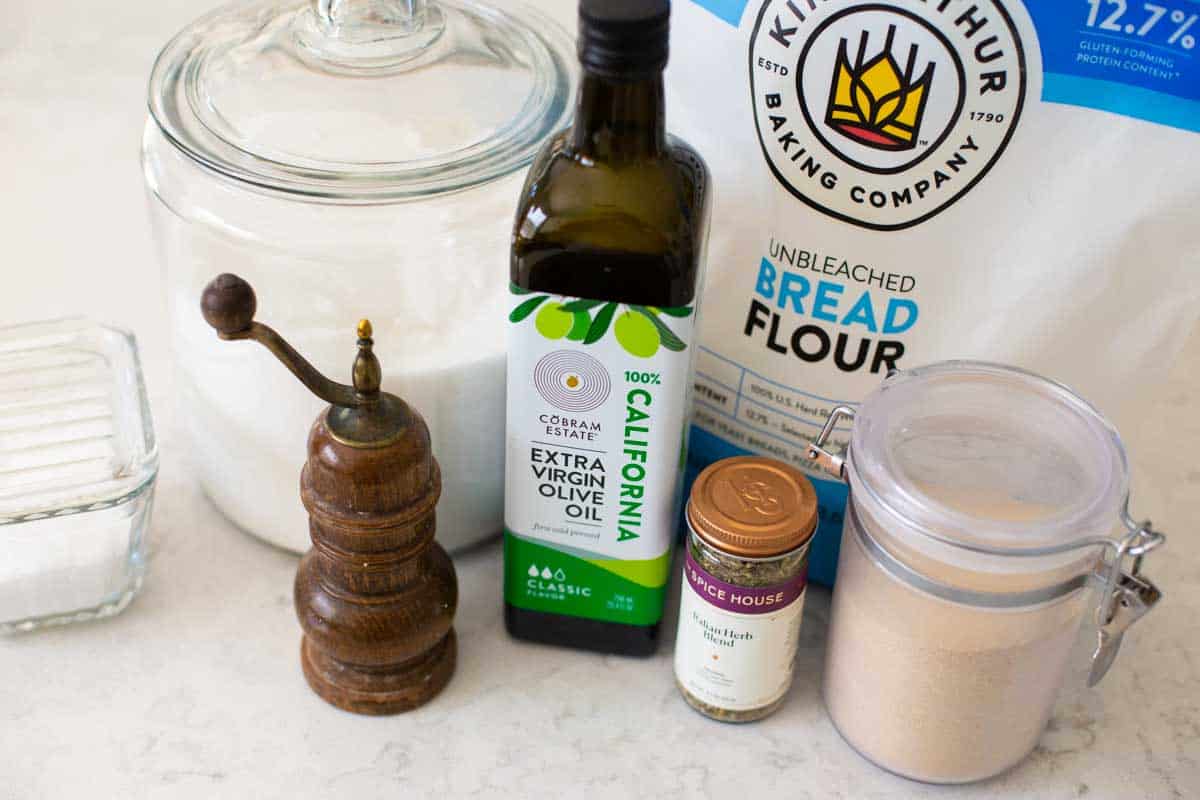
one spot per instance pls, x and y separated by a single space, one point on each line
638 329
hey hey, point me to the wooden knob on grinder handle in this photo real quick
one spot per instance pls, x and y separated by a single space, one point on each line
228 304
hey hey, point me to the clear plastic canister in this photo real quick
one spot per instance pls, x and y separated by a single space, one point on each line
986 507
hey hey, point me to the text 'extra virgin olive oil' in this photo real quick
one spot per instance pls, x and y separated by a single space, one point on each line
606 260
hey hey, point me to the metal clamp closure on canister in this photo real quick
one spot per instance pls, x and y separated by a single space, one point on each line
834 465
1125 595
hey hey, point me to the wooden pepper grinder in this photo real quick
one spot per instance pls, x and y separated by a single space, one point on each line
376 594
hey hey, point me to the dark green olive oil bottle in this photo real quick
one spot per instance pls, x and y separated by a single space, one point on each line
607 252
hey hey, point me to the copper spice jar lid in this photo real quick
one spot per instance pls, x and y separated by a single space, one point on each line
753 507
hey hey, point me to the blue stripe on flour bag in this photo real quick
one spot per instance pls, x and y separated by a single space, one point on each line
728 10
1133 59
1137 60
704 448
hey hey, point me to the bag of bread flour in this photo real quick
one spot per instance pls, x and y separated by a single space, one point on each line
904 181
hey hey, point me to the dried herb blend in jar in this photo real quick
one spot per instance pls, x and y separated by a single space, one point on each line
750 520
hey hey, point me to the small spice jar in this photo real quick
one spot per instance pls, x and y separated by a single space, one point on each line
750 521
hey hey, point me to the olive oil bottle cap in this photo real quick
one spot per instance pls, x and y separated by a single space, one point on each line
624 38
753 507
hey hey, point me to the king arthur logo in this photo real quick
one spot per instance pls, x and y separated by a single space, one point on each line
876 103
883 113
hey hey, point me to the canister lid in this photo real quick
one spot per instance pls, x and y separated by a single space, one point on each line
753 507
363 100
987 458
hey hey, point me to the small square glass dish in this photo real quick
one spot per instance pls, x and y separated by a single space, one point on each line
78 461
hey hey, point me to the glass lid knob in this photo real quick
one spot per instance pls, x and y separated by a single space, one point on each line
358 36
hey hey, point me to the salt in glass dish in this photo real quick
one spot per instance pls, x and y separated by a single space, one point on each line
78 462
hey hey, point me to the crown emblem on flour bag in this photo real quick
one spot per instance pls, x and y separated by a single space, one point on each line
873 101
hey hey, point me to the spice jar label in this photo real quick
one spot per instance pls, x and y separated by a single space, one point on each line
736 644
597 410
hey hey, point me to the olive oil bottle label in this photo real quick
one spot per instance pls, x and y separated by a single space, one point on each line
735 645
598 394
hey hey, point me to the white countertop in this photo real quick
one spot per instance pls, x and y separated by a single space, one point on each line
196 692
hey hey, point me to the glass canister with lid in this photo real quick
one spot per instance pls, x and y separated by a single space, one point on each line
350 158
987 507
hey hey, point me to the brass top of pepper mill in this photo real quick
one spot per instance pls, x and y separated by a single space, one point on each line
361 414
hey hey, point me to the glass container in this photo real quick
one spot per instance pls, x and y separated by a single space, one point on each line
987 519
78 462
349 158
